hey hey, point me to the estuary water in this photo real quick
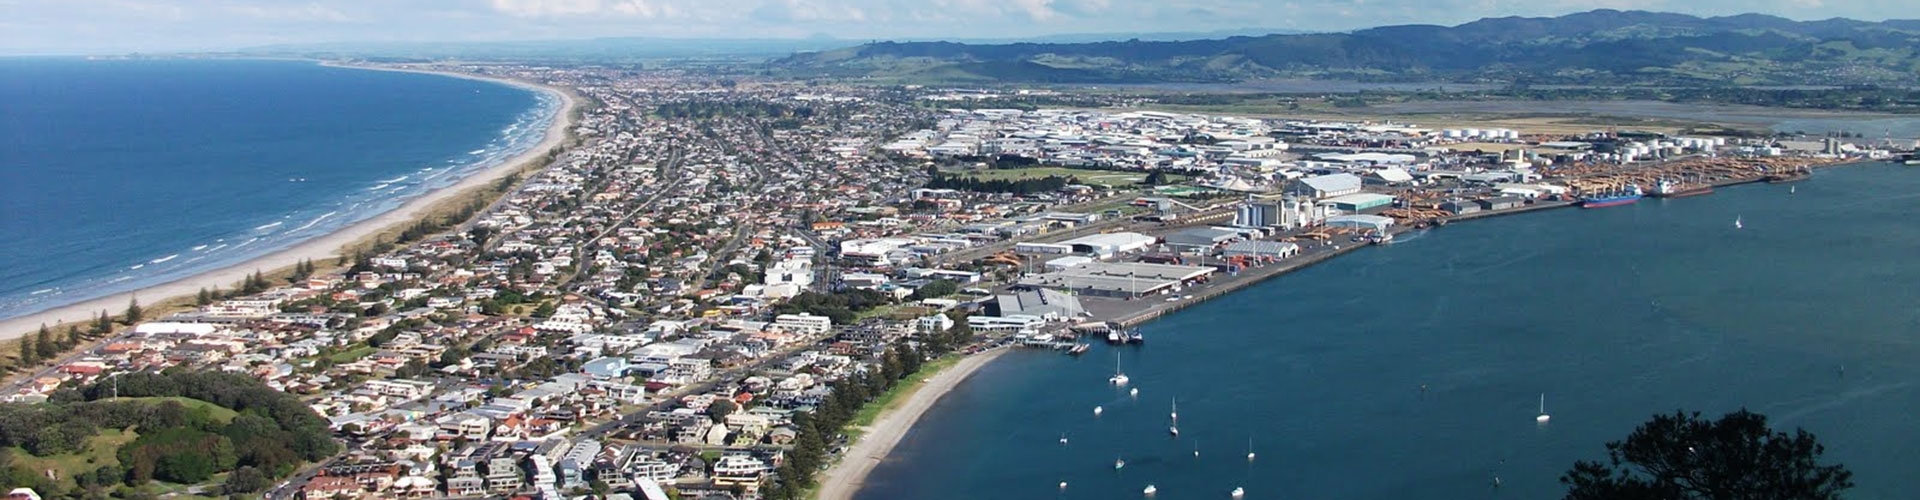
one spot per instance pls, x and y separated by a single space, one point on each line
1809 314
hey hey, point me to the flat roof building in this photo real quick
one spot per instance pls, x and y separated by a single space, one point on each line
1109 244
1367 222
1117 279
1359 201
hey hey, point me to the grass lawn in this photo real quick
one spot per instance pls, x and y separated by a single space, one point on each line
352 355
900 392
219 414
100 452
1090 177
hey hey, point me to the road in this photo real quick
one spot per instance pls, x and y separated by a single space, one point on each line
579 251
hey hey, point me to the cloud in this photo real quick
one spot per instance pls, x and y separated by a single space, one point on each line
97 26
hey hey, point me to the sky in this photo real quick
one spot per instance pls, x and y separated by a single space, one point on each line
121 26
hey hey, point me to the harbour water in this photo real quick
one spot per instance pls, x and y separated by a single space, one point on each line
1614 314
116 175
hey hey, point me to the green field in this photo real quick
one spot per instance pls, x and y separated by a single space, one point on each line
1104 178
216 412
352 355
100 452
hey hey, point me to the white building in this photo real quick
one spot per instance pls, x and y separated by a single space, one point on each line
804 323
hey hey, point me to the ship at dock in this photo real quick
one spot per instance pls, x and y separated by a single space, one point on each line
1613 198
1669 188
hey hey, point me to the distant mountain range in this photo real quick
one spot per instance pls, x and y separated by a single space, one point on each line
1597 47
631 48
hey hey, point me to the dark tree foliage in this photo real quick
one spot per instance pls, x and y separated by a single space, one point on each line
1683 456
841 307
308 432
934 289
1046 184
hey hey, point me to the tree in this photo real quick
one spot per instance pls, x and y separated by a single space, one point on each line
103 325
246 480
934 289
204 298
1683 456
27 352
73 335
44 347
720 409
133 311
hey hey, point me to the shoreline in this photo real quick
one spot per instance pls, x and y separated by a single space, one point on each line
326 246
847 476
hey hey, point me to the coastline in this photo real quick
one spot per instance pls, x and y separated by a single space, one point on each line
847 476
322 247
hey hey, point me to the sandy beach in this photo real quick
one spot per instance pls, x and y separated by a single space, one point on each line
318 249
846 477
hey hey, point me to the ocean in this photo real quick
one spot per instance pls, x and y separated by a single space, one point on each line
1810 314
117 175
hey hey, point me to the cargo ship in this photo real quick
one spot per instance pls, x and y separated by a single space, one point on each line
1668 188
1626 196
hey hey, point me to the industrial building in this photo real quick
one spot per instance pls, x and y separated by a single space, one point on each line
1200 238
1326 186
1259 249
1110 244
1460 207
1359 201
1045 304
1068 262
1102 279
1502 202
1286 213
1366 222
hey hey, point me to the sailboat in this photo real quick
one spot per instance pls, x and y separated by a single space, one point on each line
1150 490
1249 448
1063 439
1119 464
1736 223
1238 492
1118 378
1196 449
1543 410
1791 189
1175 414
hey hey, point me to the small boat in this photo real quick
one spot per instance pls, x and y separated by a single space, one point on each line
1119 464
1134 392
1063 485
1737 224
1097 410
1238 492
1792 189
1079 349
1173 430
1115 337
1118 378
1196 449
1249 448
1063 439
1542 419
1150 490
1134 337
1175 414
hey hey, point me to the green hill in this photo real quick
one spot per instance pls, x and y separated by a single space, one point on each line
1598 47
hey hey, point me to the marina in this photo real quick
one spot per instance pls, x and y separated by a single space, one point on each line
1352 375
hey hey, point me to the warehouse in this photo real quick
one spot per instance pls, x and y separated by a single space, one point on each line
1042 248
1359 201
1460 207
1326 186
1109 244
1068 262
1502 202
1199 238
1257 249
1117 279
1366 222
1046 304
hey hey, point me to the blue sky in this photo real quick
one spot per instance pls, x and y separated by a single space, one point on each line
115 26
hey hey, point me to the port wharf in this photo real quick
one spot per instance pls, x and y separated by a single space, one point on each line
1131 313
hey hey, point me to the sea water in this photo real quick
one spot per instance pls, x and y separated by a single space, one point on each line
1415 370
120 174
